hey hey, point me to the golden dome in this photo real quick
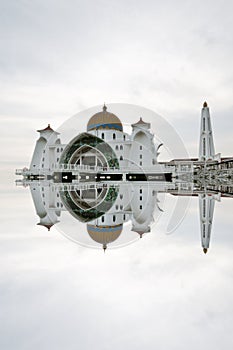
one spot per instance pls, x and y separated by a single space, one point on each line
104 120
104 234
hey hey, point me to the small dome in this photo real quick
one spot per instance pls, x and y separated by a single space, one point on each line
104 120
104 234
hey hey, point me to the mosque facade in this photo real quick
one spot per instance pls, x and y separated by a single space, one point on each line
106 177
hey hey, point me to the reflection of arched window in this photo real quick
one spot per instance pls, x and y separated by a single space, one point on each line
114 218
121 147
102 219
114 136
102 136
121 158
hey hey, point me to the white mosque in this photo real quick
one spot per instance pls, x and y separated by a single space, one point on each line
105 177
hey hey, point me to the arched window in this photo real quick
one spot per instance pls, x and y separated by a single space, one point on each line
102 219
114 136
121 147
114 218
121 158
124 137
117 147
102 136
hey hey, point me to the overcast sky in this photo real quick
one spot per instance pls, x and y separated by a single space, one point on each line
56 59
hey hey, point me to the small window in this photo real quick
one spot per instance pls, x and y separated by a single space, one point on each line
140 147
57 159
121 157
121 196
140 163
140 198
124 137
57 204
57 195
140 207
140 156
61 149
42 165
124 217
114 218
114 136
102 219
117 147
121 147
102 136
57 149
42 159
121 207
140 190
116 207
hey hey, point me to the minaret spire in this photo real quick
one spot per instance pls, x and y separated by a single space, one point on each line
206 148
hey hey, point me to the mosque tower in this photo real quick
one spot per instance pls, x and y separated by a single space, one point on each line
206 147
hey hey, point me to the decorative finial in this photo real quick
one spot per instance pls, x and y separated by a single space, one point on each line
104 247
104 108
205 104
205 250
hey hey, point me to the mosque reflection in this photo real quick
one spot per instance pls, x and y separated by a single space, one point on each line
106 178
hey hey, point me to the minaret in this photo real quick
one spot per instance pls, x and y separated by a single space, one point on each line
206 208
206 148
42 156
